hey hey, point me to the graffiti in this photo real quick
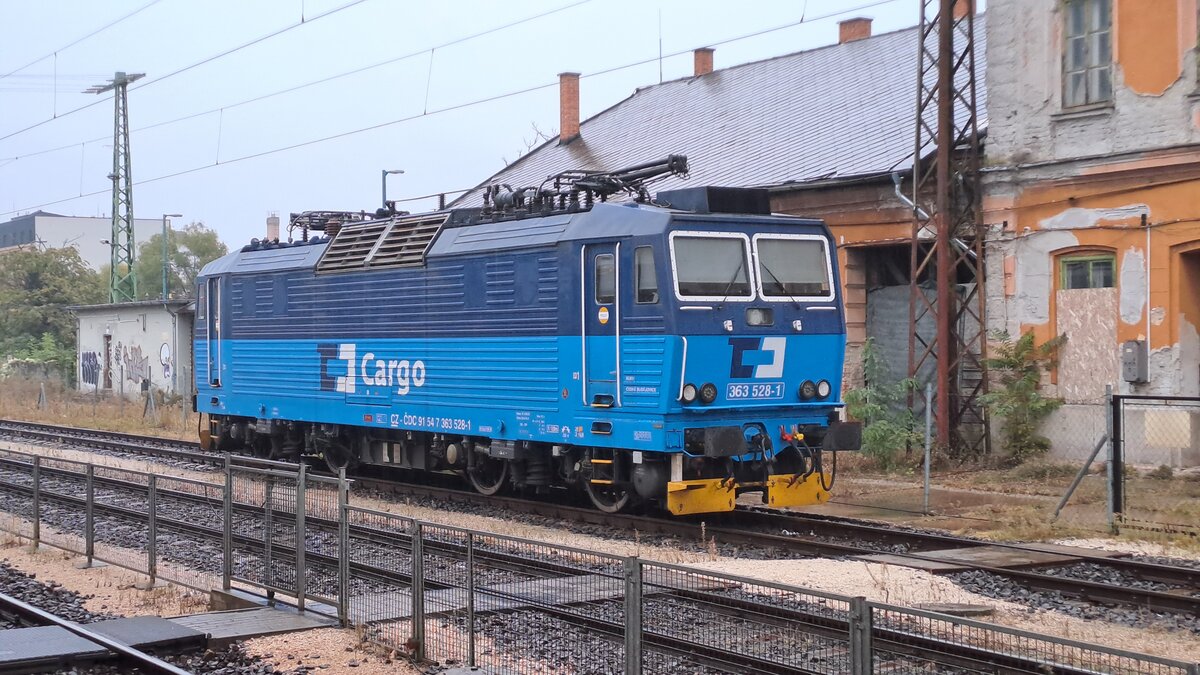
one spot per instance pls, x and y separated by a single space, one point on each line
89 368
136 366
164 357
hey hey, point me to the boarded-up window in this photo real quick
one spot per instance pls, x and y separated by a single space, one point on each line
1089 359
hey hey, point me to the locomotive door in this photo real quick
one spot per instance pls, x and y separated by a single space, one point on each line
600 325
213 331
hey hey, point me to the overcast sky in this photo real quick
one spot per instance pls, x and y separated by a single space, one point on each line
445 141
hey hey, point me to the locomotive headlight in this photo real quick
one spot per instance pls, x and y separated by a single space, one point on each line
708 392
689 393
760 316
824 389
807 389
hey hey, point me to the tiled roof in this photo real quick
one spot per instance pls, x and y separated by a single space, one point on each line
833 112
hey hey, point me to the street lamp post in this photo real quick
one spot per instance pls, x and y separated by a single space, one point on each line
164 249
383 176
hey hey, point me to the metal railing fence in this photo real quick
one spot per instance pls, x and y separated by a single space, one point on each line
165 527
454 596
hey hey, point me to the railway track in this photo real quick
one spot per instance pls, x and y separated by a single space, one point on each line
904 648
1165 588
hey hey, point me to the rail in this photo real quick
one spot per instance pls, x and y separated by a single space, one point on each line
146 662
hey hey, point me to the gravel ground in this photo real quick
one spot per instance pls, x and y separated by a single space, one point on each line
49 596
1165 552
993 586
1088 571
233 660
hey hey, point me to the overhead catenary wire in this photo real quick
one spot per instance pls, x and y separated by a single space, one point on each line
76 41
447 109
323 80
209 59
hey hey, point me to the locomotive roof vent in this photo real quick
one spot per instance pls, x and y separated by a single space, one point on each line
717 200
399 242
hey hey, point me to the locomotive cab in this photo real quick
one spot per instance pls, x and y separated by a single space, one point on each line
753 348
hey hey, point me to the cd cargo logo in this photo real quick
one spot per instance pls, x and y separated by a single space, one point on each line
336 359
757 358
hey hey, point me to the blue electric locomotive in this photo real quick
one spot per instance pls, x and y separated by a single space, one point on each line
678 351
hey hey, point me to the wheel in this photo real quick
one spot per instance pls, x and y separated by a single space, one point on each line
608 498
488 474
260 447
338 457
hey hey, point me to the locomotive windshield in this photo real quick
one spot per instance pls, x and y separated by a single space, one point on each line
711 266
792 266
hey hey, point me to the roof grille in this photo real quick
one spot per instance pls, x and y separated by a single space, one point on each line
379 244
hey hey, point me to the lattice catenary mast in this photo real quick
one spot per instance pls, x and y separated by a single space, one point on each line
122 284
947 233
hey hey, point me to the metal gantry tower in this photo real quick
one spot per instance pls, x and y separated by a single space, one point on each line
122 283
947 232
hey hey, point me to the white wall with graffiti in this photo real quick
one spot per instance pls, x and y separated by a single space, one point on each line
131 347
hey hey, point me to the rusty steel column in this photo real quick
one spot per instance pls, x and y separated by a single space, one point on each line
947 255
942 221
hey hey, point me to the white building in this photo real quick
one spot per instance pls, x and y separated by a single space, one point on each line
128 346
87 235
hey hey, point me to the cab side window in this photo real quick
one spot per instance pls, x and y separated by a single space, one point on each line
645 277
606 279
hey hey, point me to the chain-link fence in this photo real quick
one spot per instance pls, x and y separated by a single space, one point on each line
1153 437
453 596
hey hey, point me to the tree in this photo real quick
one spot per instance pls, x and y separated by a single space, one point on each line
36 287
188 250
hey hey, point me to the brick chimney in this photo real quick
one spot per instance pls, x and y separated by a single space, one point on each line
703 58
963 7
272 227
858 28
568 107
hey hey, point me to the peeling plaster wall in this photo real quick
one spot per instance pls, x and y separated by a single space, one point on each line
1132 284
1036 274
1024 56
1189 358
1076 218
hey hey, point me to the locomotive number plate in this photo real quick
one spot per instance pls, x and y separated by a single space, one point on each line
759 391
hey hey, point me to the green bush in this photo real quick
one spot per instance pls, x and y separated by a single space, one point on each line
881 406
1016 369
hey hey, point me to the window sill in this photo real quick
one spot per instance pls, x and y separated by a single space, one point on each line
1084 112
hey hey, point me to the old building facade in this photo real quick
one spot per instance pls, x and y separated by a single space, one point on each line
1092 197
